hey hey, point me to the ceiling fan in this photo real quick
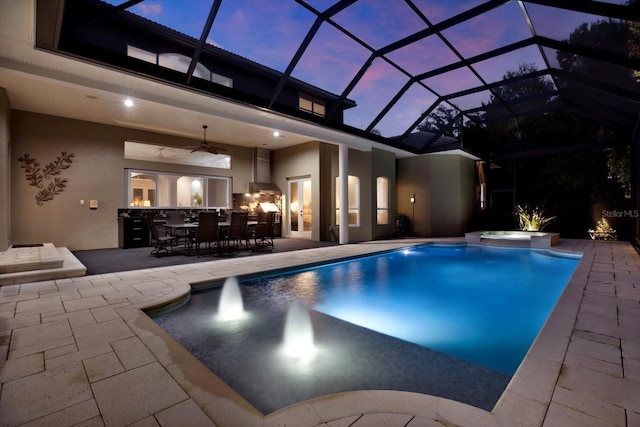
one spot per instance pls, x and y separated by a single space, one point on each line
204 145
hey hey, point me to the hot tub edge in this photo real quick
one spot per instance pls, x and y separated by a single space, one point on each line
539 240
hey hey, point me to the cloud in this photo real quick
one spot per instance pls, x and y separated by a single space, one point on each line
453 81
393 21
331 61
268 32
437 11
148 9
423 55
493 29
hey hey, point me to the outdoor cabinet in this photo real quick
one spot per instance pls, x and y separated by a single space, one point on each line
132 232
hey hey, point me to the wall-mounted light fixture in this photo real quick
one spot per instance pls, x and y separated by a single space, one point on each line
413 210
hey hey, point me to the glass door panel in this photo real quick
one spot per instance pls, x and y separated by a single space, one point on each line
306 206
294 207
300 213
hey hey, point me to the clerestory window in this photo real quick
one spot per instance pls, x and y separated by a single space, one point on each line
312 105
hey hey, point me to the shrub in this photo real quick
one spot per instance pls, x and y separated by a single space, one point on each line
532 219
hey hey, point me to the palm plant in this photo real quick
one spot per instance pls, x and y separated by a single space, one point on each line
603 226
532 219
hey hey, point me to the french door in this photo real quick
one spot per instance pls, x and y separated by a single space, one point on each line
300 208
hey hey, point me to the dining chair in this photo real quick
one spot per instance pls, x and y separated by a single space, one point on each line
207 231
162 244
263 234
177 217
237 232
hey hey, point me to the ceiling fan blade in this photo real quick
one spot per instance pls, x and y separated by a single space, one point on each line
204 145
191 147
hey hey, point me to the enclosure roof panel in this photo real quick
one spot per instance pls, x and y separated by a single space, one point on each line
390 65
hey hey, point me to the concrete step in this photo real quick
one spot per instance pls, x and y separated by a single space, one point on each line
38 263
43 256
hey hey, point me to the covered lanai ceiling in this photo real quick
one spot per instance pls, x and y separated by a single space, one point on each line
401 61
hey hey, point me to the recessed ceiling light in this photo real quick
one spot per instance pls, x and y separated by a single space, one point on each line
91 96
128 102
276 133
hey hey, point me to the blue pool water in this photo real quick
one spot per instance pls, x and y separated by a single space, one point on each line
482 304
449 320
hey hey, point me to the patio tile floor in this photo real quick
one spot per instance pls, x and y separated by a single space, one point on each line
80 350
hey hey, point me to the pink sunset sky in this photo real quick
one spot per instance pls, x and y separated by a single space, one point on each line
270 31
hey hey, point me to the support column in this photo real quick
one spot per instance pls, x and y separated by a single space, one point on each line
5 172
343 173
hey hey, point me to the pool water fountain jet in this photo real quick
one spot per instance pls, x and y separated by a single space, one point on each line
298 332
230 306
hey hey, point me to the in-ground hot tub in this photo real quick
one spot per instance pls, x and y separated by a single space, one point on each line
528 239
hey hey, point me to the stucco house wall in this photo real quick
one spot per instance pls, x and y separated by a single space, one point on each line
360 166
413 178
300 161
367 166
97 173
452 183
319 161
5 171
444 189
383 164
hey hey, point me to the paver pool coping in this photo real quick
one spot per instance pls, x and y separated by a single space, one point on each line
94 329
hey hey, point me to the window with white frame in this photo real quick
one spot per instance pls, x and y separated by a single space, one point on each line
175 155
353 184
167 190
382 200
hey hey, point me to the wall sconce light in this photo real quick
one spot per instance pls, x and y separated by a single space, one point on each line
413 210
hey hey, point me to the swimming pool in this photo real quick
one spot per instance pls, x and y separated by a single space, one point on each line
484 305
448 320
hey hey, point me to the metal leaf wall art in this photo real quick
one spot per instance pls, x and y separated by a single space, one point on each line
37 175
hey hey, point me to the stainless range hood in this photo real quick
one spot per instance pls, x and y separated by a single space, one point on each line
262 173
264 188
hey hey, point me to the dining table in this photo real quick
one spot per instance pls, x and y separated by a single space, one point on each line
190 227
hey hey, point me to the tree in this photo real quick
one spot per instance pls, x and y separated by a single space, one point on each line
519 93
607 35
634 45
619 164
571 164
439 119
522 89
624 38
568 183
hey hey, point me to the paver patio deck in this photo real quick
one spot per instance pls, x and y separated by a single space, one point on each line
79 351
